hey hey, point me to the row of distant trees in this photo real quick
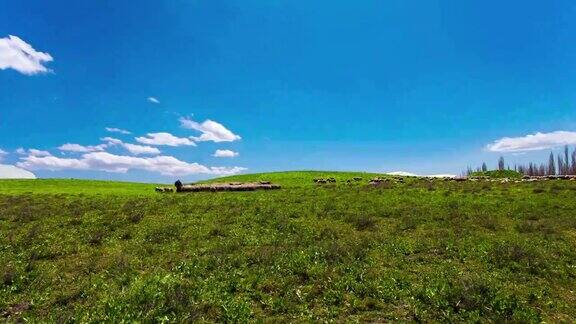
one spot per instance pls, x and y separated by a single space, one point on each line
557 165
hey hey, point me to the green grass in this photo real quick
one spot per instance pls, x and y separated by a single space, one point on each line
73 186
498 174
85 251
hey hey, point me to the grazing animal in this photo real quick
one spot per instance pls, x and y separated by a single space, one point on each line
377 181
178 185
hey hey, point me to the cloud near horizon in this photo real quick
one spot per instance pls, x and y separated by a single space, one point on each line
533 142
104 161
98 158
18 55
164 138
211 131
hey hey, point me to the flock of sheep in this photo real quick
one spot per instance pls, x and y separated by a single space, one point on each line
396 179
267 185
333 180
229 186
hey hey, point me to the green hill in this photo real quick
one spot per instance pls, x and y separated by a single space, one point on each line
291 179
74 186
92 251
498 174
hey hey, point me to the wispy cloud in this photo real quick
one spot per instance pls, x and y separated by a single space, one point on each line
117 130
71 147
3 154
108 142
132 148
164 139
32 151
211 131
533 142
18 55
36 152
153 100
104 161
225 154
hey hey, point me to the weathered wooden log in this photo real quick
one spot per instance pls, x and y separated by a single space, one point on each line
213 187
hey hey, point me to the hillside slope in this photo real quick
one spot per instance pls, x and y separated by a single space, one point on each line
292 179
101 251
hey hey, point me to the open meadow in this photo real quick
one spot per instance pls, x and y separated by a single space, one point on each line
91 251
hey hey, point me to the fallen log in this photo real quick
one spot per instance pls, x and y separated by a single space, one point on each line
232 186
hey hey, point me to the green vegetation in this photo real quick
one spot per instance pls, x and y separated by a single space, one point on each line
72 186
447 251
497 174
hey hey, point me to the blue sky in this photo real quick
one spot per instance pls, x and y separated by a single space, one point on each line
425 87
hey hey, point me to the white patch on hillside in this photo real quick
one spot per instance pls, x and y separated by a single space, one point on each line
13 172
408 174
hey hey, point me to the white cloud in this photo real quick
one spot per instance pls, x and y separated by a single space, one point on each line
225 153
2 154
18 55
153 100
12 172
36 152
32 151
141 149
211 131
70 147
132 148
164 139
117 130
111 141
104 161
32 162
533 142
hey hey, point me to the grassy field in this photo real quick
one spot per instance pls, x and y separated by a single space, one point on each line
74 250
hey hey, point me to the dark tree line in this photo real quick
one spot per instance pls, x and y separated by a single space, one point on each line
561 164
